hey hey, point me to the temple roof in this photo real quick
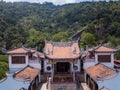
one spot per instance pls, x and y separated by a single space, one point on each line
62 50
101 48
100 71
104 49
27 73
20 50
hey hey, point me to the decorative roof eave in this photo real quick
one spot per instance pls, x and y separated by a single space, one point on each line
61 58
16 53
10 51
102 51
26 50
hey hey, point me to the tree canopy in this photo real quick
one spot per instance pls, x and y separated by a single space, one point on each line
29 24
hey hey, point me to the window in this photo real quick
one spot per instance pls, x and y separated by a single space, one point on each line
104 58
18 59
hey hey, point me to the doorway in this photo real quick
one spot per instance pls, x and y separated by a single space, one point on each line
62 67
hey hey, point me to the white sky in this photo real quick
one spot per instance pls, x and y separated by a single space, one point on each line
60 2
56 2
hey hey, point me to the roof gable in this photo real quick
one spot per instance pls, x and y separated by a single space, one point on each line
62 50
104 49
20 50
101 48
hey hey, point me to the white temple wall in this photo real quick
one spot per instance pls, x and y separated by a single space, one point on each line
109 64
47 64
13 67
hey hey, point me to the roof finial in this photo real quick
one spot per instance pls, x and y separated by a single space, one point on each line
101 43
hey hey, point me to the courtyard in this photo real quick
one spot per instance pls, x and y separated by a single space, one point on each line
81 86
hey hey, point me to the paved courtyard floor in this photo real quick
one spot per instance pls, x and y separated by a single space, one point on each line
82 86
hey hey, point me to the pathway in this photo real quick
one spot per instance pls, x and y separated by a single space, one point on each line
43 86
85 86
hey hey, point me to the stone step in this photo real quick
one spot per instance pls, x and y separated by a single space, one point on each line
85 86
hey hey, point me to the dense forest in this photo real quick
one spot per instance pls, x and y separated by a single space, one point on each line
29 24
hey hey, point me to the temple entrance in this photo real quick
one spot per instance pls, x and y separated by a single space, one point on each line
62 67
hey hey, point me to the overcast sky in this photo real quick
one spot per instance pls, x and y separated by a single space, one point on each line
60 2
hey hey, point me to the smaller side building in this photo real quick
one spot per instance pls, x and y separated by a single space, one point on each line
100 54
21 57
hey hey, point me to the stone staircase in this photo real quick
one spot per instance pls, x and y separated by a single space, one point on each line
85 86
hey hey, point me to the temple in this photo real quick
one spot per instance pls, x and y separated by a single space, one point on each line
21 57
99 54
62 61
62 66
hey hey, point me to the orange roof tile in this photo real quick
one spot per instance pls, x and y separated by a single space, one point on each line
28 72
18 50
104 49
100 71
62 50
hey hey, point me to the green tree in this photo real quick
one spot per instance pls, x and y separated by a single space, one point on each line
114 41
88 39
61 36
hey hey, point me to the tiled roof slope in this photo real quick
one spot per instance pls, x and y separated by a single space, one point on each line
101 48
100 71
62 50
27 73
104 49
20 50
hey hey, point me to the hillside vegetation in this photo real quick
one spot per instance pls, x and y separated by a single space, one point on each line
29 24
3 66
